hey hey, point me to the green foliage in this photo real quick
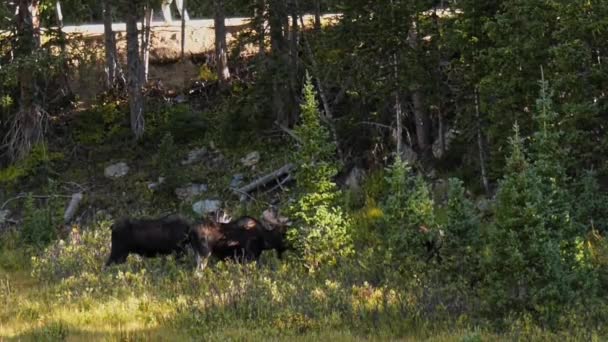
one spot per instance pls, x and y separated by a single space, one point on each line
183 123
168 163
37 163
322 236
463 232
408 207
590 209
40 225
528 264
101 124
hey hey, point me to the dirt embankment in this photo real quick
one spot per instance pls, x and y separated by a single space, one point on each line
165 50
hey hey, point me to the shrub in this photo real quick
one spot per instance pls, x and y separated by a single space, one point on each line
40 224
167 162
36 163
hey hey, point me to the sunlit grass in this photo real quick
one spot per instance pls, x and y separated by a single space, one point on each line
64 294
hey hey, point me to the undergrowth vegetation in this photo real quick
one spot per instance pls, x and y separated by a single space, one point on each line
384 261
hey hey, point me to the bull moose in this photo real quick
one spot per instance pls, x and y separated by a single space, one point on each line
243 239
148 237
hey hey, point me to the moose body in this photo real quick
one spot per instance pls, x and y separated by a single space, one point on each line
148 237
243 239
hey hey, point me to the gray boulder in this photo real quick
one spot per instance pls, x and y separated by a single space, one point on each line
116 170
189 191
206 206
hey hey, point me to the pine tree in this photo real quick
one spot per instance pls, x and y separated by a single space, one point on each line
322 236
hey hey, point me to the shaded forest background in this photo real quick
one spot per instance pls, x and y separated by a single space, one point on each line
444 164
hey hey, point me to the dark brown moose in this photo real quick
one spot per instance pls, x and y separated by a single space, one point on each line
148 237
243 239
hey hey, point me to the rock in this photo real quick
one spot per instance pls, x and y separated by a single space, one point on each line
179 99
237 180
408 154
448 138
4 216
154 185
188 192
206 206
195 156
251 159
485 206
116 170
440 189
355 178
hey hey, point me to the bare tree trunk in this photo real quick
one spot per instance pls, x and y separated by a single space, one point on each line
317 15
294 38
65 87
421 116
135 73
110 46
221 48
260 18
481 146
184 19
27 127
398 109
147 32
280 61
59 14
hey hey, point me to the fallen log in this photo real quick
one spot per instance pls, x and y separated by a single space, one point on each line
262 181
72 207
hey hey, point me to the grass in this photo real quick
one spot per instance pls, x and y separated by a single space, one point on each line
65 294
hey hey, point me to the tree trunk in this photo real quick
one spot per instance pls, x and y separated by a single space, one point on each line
280 61
260 20
221 48
183 13
135 72
317 15
481 146
27 127
147 28
110 46
421 116
294 38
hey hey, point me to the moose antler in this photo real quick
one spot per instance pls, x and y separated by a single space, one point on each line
271 216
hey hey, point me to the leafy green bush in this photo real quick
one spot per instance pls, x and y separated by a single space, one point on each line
36 163
184 124
167 162
100 123
40 224
322 235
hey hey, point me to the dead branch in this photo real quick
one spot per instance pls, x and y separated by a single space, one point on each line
33 196
289 132
284 170
280 183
